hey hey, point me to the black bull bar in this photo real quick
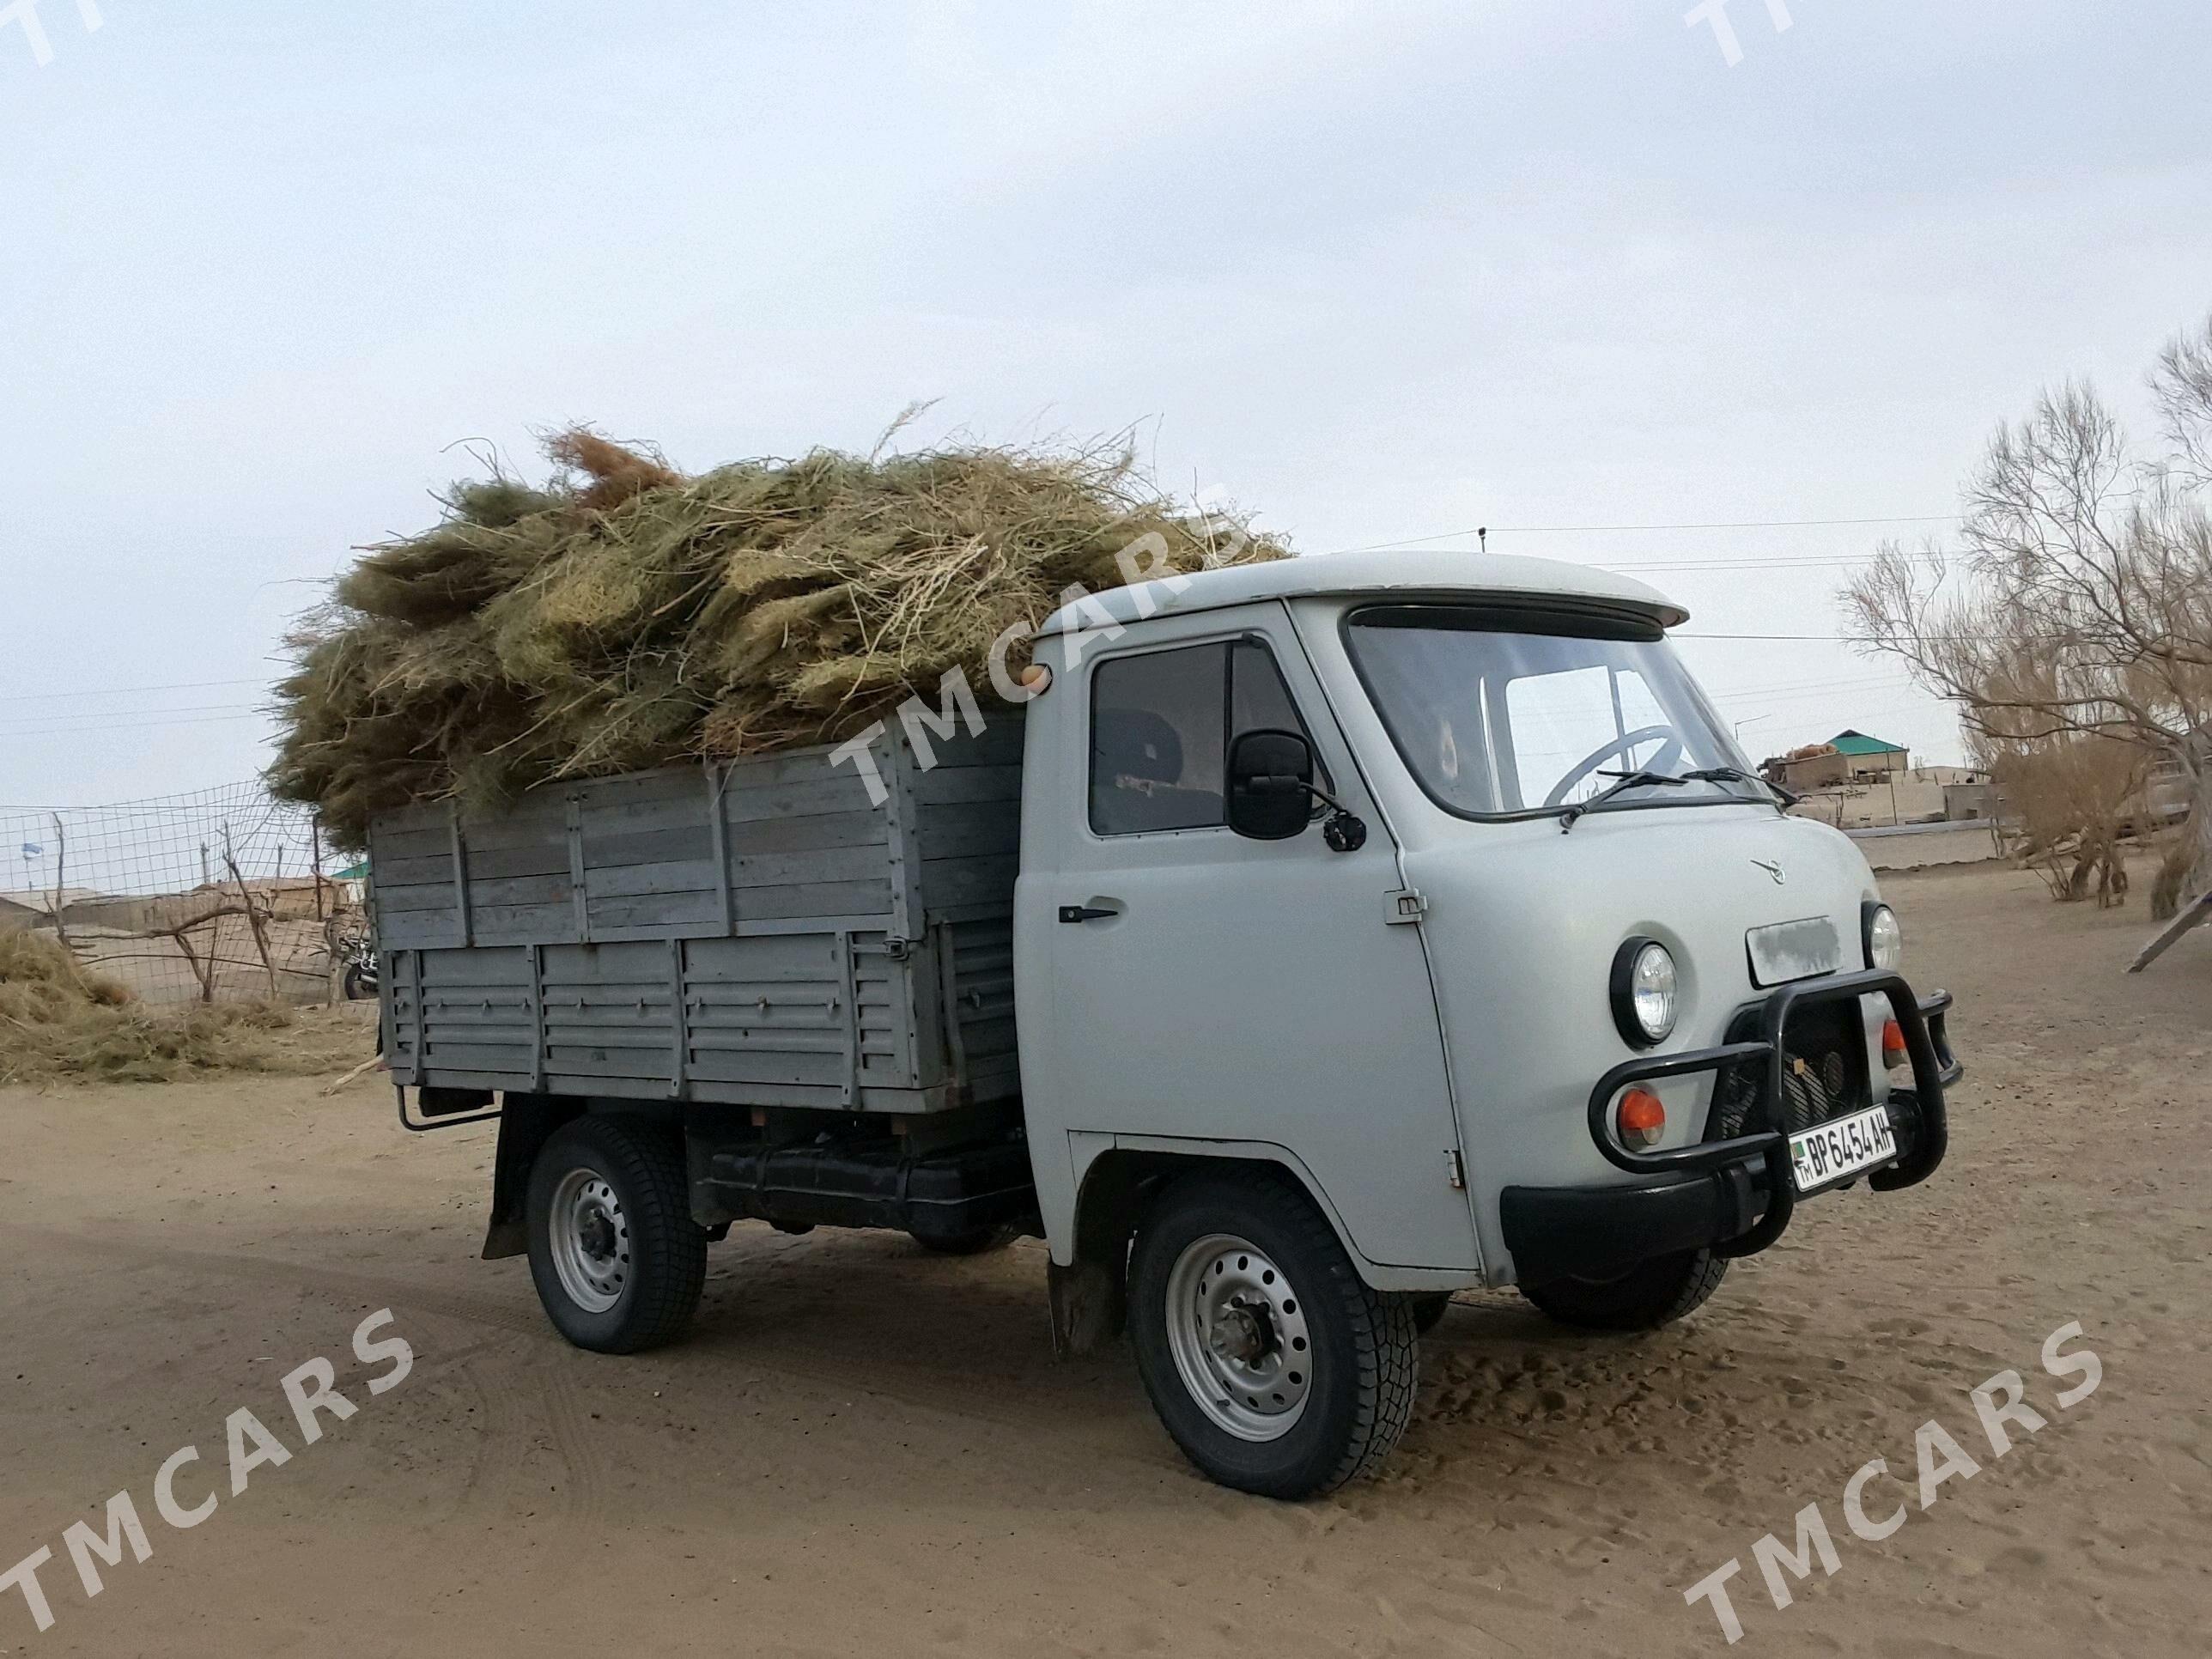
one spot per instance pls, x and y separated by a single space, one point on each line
1926 1044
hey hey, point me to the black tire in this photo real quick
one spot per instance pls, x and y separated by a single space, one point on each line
980 1241
1363 1351
664 1267
1428 1308
1657 1294
357 987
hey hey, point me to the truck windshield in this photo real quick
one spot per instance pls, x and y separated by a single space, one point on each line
1505 711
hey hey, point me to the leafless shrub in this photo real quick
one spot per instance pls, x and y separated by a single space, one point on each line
2069 796
2078 603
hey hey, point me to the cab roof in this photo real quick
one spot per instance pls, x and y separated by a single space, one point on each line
1400 575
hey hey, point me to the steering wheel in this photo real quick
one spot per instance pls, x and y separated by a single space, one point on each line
1662 762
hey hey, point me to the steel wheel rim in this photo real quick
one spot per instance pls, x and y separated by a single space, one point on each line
1237 1327
590 1240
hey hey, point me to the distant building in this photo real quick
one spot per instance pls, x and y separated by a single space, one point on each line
1848 758
287 897
353 884
1871 757
36 909
1970 801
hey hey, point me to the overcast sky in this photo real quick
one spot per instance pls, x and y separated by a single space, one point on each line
1378 271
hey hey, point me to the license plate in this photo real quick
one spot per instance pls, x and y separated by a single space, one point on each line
1830 1151
1794 950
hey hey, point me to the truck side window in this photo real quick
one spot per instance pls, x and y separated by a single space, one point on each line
1161 725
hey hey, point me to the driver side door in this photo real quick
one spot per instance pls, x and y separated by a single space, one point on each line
1215 988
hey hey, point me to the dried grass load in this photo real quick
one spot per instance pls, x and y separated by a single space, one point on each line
58 1021
624 616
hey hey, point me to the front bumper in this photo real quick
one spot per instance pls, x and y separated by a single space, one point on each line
1733 1196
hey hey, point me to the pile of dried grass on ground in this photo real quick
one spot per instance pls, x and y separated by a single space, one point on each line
625 617
59 1022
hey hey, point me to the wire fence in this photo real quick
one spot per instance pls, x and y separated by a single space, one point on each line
223 896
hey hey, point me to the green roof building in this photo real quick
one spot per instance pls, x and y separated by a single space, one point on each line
1858 745
1848 758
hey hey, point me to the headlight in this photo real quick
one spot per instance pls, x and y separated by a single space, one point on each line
1644 993
1884 940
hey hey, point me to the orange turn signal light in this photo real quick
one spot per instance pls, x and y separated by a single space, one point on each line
1642 1117
1893 1051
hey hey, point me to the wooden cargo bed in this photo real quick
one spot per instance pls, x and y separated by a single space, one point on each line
752 933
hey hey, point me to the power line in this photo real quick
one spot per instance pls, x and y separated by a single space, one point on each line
127 725
1820 639
1616 529
1791 687
1784 639
222 797
98 720
121 691
1785 561
1899 696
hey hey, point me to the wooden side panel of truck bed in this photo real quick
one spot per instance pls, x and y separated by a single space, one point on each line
758 932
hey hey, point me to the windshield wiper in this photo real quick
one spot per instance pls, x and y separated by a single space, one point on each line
1626 780
1735 774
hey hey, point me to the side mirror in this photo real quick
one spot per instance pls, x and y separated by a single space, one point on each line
1270 785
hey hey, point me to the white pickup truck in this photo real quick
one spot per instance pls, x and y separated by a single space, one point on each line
1374 926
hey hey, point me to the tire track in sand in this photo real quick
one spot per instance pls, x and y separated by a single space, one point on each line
1052 1425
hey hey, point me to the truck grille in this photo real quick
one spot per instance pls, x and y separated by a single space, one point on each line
1823 1072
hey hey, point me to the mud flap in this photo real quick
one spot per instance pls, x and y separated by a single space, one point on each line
525 1123
1090 1307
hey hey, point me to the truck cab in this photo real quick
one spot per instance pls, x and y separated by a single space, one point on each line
1433 888
1382 924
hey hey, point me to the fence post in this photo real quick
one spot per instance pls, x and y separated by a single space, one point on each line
328 920
61 869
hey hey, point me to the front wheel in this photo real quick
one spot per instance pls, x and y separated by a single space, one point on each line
1657 1293
618 1263
1276 1369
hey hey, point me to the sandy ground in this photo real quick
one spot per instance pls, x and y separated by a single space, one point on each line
865 1449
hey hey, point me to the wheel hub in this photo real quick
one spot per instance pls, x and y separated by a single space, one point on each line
1237 1336
1237 1331
589 1241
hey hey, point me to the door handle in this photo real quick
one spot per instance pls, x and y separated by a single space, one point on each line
1078 912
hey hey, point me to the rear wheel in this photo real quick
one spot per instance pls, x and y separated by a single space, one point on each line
618 1261
1657 1293
1276 1369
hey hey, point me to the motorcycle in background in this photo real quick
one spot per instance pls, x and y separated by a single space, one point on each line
359 977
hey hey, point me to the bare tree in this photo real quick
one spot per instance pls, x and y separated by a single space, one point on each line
2070 796
2078 602
254 919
